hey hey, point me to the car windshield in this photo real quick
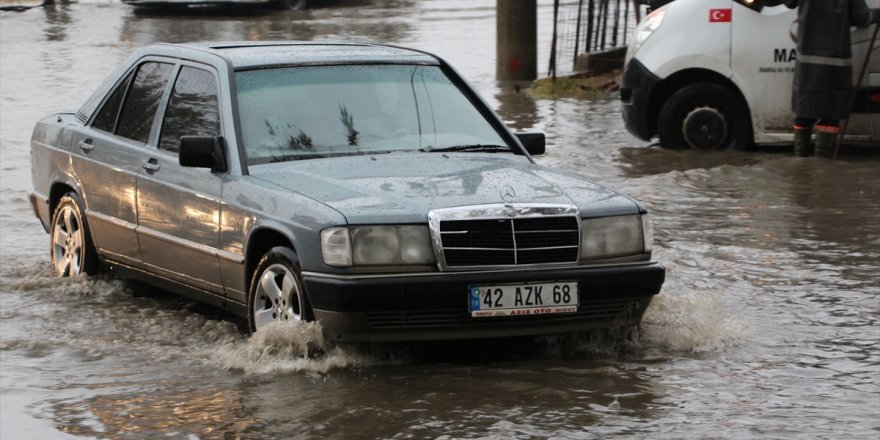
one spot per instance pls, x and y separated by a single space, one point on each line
297 113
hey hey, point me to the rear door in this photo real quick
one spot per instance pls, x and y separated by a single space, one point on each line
179 207
107 154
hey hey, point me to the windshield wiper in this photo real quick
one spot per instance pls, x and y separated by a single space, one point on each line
474 147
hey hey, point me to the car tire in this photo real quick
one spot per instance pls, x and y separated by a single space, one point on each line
704 116
276 291
71 247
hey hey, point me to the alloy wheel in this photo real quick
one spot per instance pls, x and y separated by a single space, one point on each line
67 242
277 297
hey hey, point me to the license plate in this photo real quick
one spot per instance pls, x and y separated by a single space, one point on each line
523 299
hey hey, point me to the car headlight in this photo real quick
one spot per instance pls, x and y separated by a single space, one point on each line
377 246
645 29
608 237
648 232
336 247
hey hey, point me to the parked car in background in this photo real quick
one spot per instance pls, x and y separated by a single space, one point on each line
366 187
173 4
717 74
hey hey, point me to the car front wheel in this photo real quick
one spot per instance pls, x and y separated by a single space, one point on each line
276 293
704 116
72 250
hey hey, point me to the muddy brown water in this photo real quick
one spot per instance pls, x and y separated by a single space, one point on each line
767 326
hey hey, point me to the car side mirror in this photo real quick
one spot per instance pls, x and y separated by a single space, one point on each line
203 152
535 142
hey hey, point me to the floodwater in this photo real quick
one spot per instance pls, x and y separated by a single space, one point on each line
768 325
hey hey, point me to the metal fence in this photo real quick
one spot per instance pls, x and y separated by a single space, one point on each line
590 26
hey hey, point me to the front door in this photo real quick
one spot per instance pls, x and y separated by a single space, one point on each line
179 207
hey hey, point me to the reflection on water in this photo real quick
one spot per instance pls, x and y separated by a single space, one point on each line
517 108
57 19
767 325
208 413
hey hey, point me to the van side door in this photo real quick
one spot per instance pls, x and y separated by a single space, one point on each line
763 55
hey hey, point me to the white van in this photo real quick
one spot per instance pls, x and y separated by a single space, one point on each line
718 74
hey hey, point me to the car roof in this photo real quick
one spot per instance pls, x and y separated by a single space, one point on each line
244 55
256 54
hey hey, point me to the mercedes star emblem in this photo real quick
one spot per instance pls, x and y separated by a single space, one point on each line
507 193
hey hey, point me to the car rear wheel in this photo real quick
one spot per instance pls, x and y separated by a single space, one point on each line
72 250
706 117
276 292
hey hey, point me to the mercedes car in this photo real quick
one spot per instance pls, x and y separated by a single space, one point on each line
366 187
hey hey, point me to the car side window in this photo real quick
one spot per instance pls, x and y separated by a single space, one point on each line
106 118
139 109
192 110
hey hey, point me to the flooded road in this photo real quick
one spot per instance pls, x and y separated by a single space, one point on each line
768 324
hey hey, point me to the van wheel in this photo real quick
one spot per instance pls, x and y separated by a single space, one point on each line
706 117
276 292
71 249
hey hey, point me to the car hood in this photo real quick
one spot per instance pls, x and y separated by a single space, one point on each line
403 187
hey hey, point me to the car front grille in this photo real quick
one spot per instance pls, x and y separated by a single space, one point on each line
509 241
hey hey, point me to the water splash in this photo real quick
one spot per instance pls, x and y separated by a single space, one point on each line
39 279
695 322
291 347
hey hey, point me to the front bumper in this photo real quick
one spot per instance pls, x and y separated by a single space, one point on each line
435 306
635 95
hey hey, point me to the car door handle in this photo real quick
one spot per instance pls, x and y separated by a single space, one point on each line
151 165
86 145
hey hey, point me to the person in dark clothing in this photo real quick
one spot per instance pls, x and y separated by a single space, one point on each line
822 87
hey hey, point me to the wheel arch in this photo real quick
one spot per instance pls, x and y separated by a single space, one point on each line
56 192
259 242
676 81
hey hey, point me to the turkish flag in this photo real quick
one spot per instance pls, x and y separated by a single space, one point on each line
720 15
